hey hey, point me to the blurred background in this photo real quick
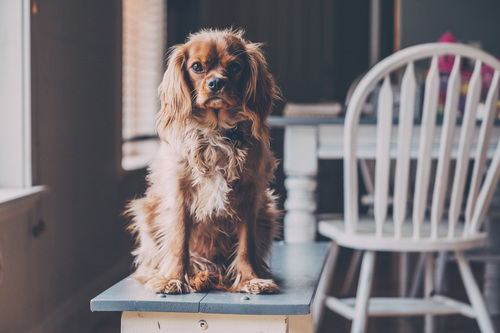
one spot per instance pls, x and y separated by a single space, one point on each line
77 109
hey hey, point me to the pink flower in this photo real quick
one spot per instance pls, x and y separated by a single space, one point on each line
447 37
445 63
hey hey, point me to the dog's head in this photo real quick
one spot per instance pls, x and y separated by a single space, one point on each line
217 79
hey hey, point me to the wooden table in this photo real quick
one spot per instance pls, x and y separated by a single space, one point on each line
296 268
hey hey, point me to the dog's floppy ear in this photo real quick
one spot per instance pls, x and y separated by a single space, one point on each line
260 92
174 92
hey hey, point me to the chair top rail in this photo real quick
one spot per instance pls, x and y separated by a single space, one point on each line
411 54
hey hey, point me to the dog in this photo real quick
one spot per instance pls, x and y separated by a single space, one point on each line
208 217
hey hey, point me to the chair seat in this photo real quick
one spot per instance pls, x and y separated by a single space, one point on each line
366 239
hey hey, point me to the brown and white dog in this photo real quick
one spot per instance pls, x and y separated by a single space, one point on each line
208 217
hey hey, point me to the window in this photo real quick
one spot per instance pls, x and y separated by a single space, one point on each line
144 49
15 99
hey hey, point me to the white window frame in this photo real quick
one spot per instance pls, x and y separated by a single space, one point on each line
17 192
15 95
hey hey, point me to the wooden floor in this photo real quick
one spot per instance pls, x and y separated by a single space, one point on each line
384 285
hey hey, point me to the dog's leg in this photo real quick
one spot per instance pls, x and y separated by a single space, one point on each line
172 254
247 259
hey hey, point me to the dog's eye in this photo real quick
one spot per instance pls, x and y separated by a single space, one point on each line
197 67
234 68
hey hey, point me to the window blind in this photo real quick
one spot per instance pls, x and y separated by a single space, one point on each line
144 48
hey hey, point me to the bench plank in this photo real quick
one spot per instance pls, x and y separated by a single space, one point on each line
296 268
130 295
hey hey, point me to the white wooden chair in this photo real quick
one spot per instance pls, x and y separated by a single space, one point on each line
414 231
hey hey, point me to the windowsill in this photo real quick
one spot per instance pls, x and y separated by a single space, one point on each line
138 154
19 199
137 162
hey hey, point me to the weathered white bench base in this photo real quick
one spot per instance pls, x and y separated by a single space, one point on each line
296 269
167 322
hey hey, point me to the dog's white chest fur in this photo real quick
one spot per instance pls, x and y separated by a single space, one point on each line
216 165
210 197
208 173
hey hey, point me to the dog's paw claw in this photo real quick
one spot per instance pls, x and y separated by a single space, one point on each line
259 286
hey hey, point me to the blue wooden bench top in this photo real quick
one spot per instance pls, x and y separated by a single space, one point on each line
296 269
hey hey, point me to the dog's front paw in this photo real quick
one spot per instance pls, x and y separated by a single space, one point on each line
258 286
168 286
202 281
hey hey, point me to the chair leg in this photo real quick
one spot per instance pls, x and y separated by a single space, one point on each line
351 272
429 285
474 294
324 285
403 274
418 276
419 272
363 294
440 271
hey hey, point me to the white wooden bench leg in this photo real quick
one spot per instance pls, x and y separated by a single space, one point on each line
174 322
475 297
363 294
301 324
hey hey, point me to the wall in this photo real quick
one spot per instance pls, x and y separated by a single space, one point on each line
76 101
315 49
425 21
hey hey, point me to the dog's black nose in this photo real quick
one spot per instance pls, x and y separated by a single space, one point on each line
215 84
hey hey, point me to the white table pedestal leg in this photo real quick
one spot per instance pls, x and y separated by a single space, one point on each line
300 221
301 168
